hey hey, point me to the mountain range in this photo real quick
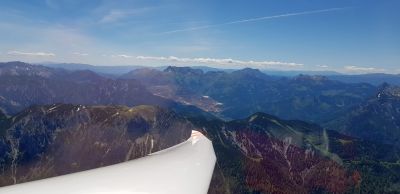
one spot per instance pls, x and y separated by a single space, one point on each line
372 78
115 71
240 93
23 85
271 134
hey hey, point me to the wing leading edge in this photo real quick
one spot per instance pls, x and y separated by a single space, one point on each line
181 169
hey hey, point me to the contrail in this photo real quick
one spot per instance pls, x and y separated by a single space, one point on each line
257 19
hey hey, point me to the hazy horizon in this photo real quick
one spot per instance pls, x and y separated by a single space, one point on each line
343 36
204 67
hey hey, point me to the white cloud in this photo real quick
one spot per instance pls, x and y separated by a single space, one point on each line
117 14
80 54
113 15
322 66
359 69
221 62
32 54
122 56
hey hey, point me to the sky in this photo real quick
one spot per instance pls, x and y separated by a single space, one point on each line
348 36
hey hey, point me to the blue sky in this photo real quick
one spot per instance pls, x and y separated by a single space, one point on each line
345 35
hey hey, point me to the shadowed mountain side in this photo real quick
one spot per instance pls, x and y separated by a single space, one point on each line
46 141
376 119
264 154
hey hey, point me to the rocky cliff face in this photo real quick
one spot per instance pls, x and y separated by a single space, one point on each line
46 141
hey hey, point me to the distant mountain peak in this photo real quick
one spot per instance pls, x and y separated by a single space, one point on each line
248 70
15 64
183 70
17 68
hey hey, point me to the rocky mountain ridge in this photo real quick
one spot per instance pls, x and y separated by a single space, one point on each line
52 140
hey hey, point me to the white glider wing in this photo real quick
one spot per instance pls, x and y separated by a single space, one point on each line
182 169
